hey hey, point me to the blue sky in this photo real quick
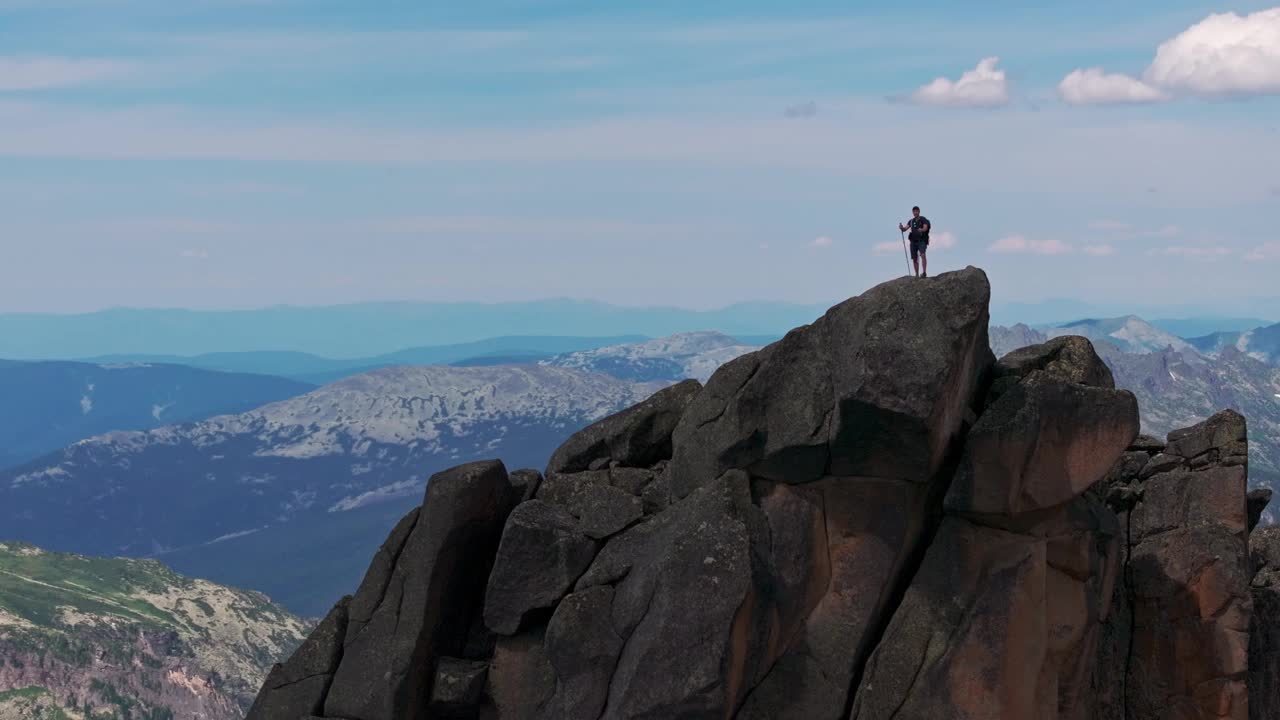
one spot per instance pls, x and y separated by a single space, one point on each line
254 152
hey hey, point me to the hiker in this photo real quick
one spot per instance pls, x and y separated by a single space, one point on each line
919 237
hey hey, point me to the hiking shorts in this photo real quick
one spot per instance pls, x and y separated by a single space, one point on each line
918 248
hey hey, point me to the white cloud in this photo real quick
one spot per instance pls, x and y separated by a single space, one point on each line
1095 87
984 86
1269 250
38 73
821 242
1101 250
1020 244
886 248
1224 54
944 239
1201 252
195 254
1109 225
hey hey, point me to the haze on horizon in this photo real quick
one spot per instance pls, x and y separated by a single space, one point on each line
251 154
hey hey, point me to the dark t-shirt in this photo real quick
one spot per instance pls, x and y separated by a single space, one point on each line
918 231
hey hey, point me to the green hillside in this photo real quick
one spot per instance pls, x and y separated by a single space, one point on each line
107 638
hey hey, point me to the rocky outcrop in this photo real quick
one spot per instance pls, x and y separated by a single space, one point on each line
1003 618
869 519
418 603
1184 606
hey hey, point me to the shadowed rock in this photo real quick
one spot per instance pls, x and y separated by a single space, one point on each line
426 607
542 553
583 648
687 573
1257 500
521 679
600 508
1264 632
527 481
1044 442
458 687
636 437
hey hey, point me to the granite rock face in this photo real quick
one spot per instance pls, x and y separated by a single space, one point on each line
1184 606
1004 616
869 519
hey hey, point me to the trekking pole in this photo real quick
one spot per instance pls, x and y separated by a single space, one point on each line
904 252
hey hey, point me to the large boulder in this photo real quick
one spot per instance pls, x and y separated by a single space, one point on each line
427 604
1225 433
601 508
1042 443
1069 358
637 437
689 573
543 552
879 386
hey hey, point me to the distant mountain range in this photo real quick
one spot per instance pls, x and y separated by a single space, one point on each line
98 638
1261 343
45 406
317 370
1195 327
349 331
368 439
1130 334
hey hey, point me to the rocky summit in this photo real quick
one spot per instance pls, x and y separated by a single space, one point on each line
871 518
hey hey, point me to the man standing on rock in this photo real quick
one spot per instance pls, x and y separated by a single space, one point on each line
919 237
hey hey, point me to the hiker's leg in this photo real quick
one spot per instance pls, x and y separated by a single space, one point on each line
915 259
924 261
